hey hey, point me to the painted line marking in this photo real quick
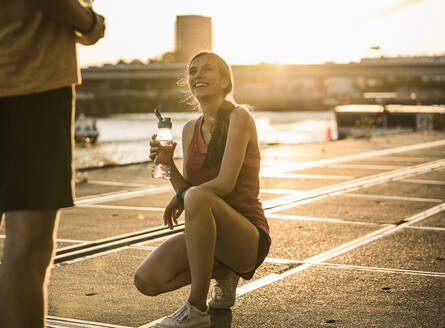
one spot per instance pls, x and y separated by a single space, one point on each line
324 162
81 323
318 259
115 183
281 191
426 228
359 267
147 248
366 166
273 171
421 181
366 239
122 195
87 257
305 176
411 199
61 240
294 204
283 202
403 159
318 219
118 207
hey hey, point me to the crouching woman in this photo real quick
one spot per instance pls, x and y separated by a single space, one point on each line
226 233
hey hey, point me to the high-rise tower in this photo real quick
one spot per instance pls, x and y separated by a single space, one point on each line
193 33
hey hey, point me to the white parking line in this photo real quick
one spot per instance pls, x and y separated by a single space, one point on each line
411 199
421 181
300 166
366 239
146 248
73 241
359 267
288 201
273 171
79 323
305 176
122 195
366 166
281 191
118 207
317 219
114 183
426 228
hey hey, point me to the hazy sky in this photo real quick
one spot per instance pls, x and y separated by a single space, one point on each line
279 31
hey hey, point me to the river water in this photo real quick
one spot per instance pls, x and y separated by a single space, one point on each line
124 138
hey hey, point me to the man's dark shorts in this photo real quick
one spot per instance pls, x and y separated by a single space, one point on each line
36 146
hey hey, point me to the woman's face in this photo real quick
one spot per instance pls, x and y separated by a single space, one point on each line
205 79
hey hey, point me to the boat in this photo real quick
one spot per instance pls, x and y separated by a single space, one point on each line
85 130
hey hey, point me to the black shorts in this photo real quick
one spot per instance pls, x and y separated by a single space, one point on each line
263 250
36 146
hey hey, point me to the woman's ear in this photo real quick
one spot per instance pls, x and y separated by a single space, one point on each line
225 83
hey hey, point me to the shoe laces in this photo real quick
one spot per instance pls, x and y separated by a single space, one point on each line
181 314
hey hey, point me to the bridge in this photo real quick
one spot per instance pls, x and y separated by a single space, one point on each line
134 88
428 67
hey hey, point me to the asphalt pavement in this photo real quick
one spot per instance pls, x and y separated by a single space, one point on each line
358 229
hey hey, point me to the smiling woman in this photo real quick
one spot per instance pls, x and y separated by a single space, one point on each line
226 232
313 31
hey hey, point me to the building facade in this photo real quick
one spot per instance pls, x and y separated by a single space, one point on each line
193 33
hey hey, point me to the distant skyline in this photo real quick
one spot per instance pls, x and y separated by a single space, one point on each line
280 31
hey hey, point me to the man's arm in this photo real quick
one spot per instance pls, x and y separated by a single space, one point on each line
73 13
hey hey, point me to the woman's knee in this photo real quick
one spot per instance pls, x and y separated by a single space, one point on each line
147 282
197 198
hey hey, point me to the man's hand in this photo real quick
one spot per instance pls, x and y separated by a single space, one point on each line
74 14
95 34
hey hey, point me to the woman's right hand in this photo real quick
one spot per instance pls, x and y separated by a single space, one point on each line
154 147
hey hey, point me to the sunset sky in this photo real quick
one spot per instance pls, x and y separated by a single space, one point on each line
279 31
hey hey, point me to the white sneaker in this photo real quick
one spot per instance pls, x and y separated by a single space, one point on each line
186 316
224 292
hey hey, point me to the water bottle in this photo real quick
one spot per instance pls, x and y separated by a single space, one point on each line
161 164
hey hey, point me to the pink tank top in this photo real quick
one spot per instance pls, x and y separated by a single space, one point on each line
244 197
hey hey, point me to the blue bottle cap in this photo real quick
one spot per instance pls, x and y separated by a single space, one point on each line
163 122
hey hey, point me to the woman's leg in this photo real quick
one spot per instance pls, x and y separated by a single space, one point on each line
167 269
214 229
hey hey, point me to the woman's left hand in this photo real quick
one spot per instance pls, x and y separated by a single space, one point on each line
172 212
